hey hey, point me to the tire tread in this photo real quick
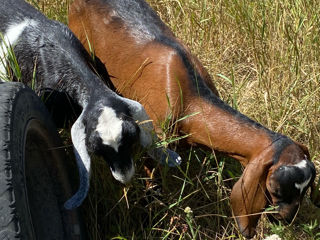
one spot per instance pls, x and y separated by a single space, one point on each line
8 223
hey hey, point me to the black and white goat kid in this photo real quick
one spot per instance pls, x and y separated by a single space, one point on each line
107 125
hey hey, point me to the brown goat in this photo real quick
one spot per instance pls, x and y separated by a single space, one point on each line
150 64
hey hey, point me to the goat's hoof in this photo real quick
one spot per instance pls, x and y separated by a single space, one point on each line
172 159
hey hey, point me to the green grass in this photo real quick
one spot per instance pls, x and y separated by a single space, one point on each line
263 57
12 70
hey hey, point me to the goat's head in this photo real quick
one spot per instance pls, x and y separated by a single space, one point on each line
279 176
112 136
111 130
288 180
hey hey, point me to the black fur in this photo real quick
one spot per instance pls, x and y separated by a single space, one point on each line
130 134
144 24
287 194
65 69
287 177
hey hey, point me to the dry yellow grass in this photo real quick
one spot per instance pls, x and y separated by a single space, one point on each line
269 51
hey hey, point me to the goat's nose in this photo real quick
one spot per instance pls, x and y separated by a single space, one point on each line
288 212
123 175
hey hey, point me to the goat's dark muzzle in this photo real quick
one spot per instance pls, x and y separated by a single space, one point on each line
286 212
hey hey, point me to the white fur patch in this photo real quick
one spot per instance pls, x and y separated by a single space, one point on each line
124 177
301 164
10 38
302 186
110 128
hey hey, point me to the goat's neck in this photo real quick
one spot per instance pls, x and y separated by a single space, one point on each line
220 127
94 93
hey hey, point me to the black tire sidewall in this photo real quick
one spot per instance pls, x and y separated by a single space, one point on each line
25 108
22 108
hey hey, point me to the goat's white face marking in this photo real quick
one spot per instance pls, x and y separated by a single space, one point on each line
110 128
11 37
301 186
302 164
124 177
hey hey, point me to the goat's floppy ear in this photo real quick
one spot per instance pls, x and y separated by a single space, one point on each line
304 149
83 161
248 195
147 136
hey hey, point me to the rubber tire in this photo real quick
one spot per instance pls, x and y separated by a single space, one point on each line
34 183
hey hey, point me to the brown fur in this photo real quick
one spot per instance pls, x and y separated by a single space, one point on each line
152 73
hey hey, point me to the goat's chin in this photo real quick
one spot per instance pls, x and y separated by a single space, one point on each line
286 213
123 176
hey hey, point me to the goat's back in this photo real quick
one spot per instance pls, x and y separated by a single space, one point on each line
145 59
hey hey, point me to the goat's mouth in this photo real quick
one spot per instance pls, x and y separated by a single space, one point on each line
123 174
285 213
